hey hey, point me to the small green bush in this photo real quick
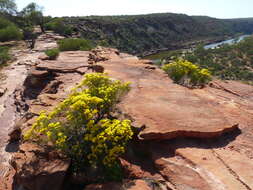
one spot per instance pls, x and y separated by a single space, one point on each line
52 53
73 44
80 128
9 31
186 73
4 55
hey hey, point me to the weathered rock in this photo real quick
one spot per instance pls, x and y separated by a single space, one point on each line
134 171
181 175
126 185
46 41
6 180
15 134
52 87
97 68
2 91
67 62
171 111
43 57
37 168
145 61
14 104
35 78
150 67
167 109
101 54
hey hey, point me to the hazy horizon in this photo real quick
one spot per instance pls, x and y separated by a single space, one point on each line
215 8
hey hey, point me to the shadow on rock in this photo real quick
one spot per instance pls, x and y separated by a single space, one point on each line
12 147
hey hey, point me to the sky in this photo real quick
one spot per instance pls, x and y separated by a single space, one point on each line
213 8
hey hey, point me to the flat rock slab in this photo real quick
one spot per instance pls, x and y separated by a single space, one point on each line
168 110
67 62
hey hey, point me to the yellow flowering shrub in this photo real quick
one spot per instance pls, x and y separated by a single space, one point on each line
186 73
79 126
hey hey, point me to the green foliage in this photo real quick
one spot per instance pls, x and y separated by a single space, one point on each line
4 55
52 53
9 31
8 6
80 127
58 26
186 73
229 62
32 14
137 34
73 44
103 43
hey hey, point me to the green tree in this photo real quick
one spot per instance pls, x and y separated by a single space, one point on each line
8 7
31 16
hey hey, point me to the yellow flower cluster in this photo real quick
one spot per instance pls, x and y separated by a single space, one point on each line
108 139
78 126
182 70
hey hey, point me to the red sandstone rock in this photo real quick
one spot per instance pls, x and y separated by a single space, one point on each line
38 169
127 185
43 57
67 62
145 61
166 109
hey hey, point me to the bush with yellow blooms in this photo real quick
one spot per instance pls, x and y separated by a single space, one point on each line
186 73
80 126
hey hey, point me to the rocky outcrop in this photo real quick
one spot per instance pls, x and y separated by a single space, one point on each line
47 41
129 185
38 168
219 115
168 110
199 139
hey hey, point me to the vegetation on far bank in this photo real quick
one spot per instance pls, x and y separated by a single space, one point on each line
58 26
137 34
228 62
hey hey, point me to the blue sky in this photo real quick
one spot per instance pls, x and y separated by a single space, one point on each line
214 8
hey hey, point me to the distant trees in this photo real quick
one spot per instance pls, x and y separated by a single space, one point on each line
8 7
229 62
9 31
58 26
30 17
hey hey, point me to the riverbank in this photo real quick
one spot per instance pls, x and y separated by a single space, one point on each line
163 53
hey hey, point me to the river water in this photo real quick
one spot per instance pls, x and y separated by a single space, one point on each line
161 55
230 41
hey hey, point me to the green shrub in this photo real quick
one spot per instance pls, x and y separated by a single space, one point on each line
58 26
186 73
52 53
4 55
72 44
9 31
80 127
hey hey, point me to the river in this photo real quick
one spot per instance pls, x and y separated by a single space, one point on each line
163 54
230 41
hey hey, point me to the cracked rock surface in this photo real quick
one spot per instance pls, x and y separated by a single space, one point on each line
190 139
